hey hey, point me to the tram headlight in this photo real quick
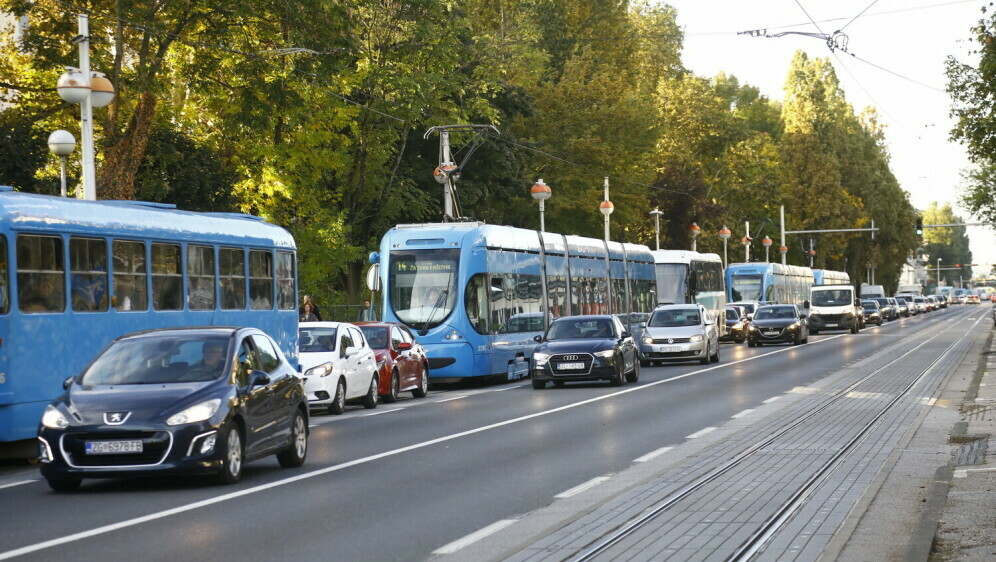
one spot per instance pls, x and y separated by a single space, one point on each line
453 336
540 359
54 419
323 370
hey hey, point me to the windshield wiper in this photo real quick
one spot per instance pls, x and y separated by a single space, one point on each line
439 301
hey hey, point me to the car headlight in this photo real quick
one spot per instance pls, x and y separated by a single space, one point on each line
647 340
752 327
195 413
696 338
323 370
541 358
794 326
605 354
54 419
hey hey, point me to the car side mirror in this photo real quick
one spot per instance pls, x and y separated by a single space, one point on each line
404 346
627 334
351 351
538 339
258 378
805 304
67 383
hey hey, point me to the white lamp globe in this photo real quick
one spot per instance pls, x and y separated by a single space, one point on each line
61 143
102 91
73 85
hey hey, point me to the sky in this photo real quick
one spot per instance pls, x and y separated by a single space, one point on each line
894 61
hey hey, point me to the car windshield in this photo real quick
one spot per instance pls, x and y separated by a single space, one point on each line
376 336
675 318
831 297
169 358
732 314
773 312
580 329
869 306
317 340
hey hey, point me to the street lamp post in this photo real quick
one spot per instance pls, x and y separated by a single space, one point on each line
812 256
606 209
656 213
694 232
62 144
783 250
766 242
746 242
724 233
938 290
541 192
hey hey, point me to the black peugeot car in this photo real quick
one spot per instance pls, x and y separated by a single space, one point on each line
778 323
176 401
585 348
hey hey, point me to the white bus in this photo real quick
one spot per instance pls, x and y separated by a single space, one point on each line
686 277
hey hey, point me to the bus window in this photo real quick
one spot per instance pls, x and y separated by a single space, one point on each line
232 268
167 277
200 277
260 279
285 281
4 284
130 285
88 274
40 274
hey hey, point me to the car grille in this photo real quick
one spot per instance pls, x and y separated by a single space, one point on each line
672 340
155 447
832 317
584 358
662 355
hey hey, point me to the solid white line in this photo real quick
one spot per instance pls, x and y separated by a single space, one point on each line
11 485
743 413
653 454
474 537
508 388
335 468
449 399
582 487
772 399
701 432
379 412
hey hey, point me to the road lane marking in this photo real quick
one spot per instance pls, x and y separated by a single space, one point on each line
474 537
743 413
582 487
379 412
772 399
12 484
653 454
449 399
963 472
701 432
356 462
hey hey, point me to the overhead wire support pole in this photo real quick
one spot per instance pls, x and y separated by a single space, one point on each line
448 172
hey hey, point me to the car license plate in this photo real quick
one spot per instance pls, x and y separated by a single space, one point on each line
113 447
831 325
771 332
671 349
570 366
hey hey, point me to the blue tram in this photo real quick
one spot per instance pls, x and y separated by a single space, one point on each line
768 282
76 274
477 294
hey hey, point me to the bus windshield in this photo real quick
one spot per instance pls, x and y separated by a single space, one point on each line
671 287
423 285
745 287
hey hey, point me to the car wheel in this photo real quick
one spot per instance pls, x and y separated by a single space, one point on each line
338 405
619 378
715 356
539 385
750 343
372 397
705 356
392 393
634 375
423 384
854 328
739 340
295 453
232 454
797 339
64 484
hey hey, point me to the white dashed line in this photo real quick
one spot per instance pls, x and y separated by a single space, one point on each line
379 412
474 537
701 432
449 399
653 454
12 484
578 489
743 413
772 399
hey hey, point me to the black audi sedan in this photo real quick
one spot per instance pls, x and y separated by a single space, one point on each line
778 323
176 401
585 348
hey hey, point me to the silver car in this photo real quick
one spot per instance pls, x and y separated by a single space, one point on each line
680 332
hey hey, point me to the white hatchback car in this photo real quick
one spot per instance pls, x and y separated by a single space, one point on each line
338 365
680 332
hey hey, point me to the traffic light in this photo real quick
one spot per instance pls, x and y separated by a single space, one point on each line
919 227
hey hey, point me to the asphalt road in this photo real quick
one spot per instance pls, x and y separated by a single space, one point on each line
404 480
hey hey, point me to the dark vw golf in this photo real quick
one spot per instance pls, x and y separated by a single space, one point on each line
777 323
176 401
585 348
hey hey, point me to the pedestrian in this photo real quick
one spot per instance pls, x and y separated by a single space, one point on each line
308 315
314 307
366 313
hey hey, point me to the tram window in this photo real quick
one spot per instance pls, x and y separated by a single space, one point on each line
260 279
200 278
88 274
232 268
130 286
476 303
40 274
285 281
167 277
4 283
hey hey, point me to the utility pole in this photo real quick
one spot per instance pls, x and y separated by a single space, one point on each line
448 172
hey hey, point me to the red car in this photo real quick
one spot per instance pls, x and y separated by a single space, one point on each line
400 359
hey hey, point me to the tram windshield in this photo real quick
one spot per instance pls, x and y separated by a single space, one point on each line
745 288
671 284
423 285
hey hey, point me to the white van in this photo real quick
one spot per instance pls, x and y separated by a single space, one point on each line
833 307
872 291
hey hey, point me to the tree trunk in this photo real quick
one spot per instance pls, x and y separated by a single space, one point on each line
124 154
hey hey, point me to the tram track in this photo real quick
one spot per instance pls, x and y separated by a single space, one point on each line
757 540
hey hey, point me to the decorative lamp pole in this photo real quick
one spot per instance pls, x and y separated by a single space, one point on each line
541 192
812 256
724 233
694 232
938 290
606 209
656 213
746 240
766 242
62 144
783 250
